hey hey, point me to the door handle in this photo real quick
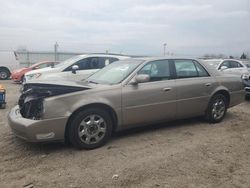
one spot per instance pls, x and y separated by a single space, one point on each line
166 89
208 84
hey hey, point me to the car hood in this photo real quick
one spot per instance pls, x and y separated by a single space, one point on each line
44 70
62 83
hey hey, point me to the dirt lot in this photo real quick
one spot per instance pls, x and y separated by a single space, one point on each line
188 153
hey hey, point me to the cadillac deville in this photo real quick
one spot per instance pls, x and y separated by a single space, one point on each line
125 94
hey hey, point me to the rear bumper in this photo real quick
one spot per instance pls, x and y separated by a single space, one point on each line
36 130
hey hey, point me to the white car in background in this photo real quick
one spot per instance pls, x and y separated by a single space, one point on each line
76 68
229 66
247 63
235 67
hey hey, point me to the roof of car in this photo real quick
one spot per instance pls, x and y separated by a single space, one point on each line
222 60
103 54
162 57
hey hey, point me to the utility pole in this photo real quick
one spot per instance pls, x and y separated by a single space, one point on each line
164 48
56 50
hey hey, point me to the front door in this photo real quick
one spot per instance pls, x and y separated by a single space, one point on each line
151 101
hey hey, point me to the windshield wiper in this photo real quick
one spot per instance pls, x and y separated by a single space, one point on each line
93 82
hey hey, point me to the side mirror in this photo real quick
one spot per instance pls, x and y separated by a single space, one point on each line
35 68
74 68
141 78
223 68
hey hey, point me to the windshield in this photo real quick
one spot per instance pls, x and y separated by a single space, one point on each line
115 72
69 61
213 63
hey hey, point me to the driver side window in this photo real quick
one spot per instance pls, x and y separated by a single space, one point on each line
157 70
85 64
225 64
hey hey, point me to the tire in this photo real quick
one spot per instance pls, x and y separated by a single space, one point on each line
90 128
4 74
216 109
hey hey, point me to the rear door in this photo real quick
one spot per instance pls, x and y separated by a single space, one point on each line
194 86
151 101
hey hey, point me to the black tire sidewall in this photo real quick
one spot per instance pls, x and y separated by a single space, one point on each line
7 72
73 130
209 115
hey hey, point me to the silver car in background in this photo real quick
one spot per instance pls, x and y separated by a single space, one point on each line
128 93
234 67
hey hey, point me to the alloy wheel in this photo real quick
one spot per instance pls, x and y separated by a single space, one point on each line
218 109
92 129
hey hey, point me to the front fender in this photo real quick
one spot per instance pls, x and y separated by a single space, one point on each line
65 105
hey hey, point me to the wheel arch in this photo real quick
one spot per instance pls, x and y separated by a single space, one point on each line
224 92
106 107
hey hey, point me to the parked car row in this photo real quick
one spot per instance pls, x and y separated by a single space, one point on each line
123 94
76 68
18 75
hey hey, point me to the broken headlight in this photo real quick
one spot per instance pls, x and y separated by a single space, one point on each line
245 76
31 104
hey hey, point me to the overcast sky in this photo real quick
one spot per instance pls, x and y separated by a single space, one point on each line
189 27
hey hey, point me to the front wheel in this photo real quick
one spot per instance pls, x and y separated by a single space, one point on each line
217 109
90 128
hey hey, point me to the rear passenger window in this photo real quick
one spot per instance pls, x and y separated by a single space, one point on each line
157 70
235 64
201 70
185 69
189 69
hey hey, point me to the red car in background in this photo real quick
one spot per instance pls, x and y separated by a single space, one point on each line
18 75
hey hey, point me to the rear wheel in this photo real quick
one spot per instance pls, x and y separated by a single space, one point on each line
4 74
90 128
217 108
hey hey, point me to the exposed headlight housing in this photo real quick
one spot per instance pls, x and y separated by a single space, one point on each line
33 76
245 76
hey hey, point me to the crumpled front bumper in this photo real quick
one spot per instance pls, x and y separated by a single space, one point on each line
36 130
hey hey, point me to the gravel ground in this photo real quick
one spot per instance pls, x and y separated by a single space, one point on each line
187 153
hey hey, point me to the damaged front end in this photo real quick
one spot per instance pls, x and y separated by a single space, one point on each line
33 95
